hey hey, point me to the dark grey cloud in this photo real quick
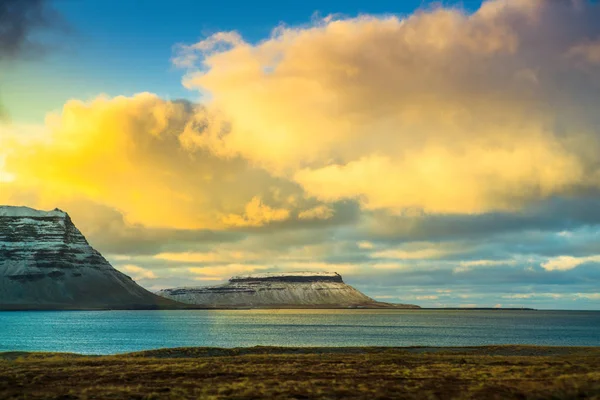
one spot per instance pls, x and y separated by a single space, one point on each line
554 214
344 213
21 22
501 278
511 286
106 229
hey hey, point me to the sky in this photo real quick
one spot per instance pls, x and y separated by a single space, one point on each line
441 154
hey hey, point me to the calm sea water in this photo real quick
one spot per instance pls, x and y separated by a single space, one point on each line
110 332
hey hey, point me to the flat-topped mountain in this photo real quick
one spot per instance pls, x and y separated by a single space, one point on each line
46 263
279 290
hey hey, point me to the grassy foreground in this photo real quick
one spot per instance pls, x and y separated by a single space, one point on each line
496 372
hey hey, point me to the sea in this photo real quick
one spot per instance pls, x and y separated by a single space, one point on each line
114 332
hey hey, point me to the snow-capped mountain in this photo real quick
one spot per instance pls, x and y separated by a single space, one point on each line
46 263
279 290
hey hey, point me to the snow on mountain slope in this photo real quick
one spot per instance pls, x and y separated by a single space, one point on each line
278 290
45 262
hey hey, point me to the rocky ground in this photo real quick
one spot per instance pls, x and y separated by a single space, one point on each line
493 372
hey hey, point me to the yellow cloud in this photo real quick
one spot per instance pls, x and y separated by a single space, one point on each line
411 254
138 273
438 181
441 111
318 212
189 257
127 153
226 271
365 245
256 214
210 278
5 177
341 268
193 257
390 266
565 263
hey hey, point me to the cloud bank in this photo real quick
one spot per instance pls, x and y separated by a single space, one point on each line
440 112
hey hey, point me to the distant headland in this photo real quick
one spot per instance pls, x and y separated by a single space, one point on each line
47 263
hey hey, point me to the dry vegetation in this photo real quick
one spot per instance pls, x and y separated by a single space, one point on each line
255 373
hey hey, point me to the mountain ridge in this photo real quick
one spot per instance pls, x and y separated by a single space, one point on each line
279 290
47 263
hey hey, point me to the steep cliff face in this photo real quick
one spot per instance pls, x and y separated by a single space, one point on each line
293 290
46 263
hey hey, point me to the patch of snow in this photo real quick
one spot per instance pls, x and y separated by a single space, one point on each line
271 293
16 211
285 275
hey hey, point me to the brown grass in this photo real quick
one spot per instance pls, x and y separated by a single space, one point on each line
499 372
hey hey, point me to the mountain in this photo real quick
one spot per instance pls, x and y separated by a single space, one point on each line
282 290
46 263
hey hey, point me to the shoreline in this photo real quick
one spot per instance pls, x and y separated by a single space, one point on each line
11 309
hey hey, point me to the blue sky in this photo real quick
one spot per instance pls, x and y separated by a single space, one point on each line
125 47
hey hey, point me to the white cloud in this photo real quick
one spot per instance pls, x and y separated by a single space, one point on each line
565 263
365 245
465 266
589 296
431 297
534 295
